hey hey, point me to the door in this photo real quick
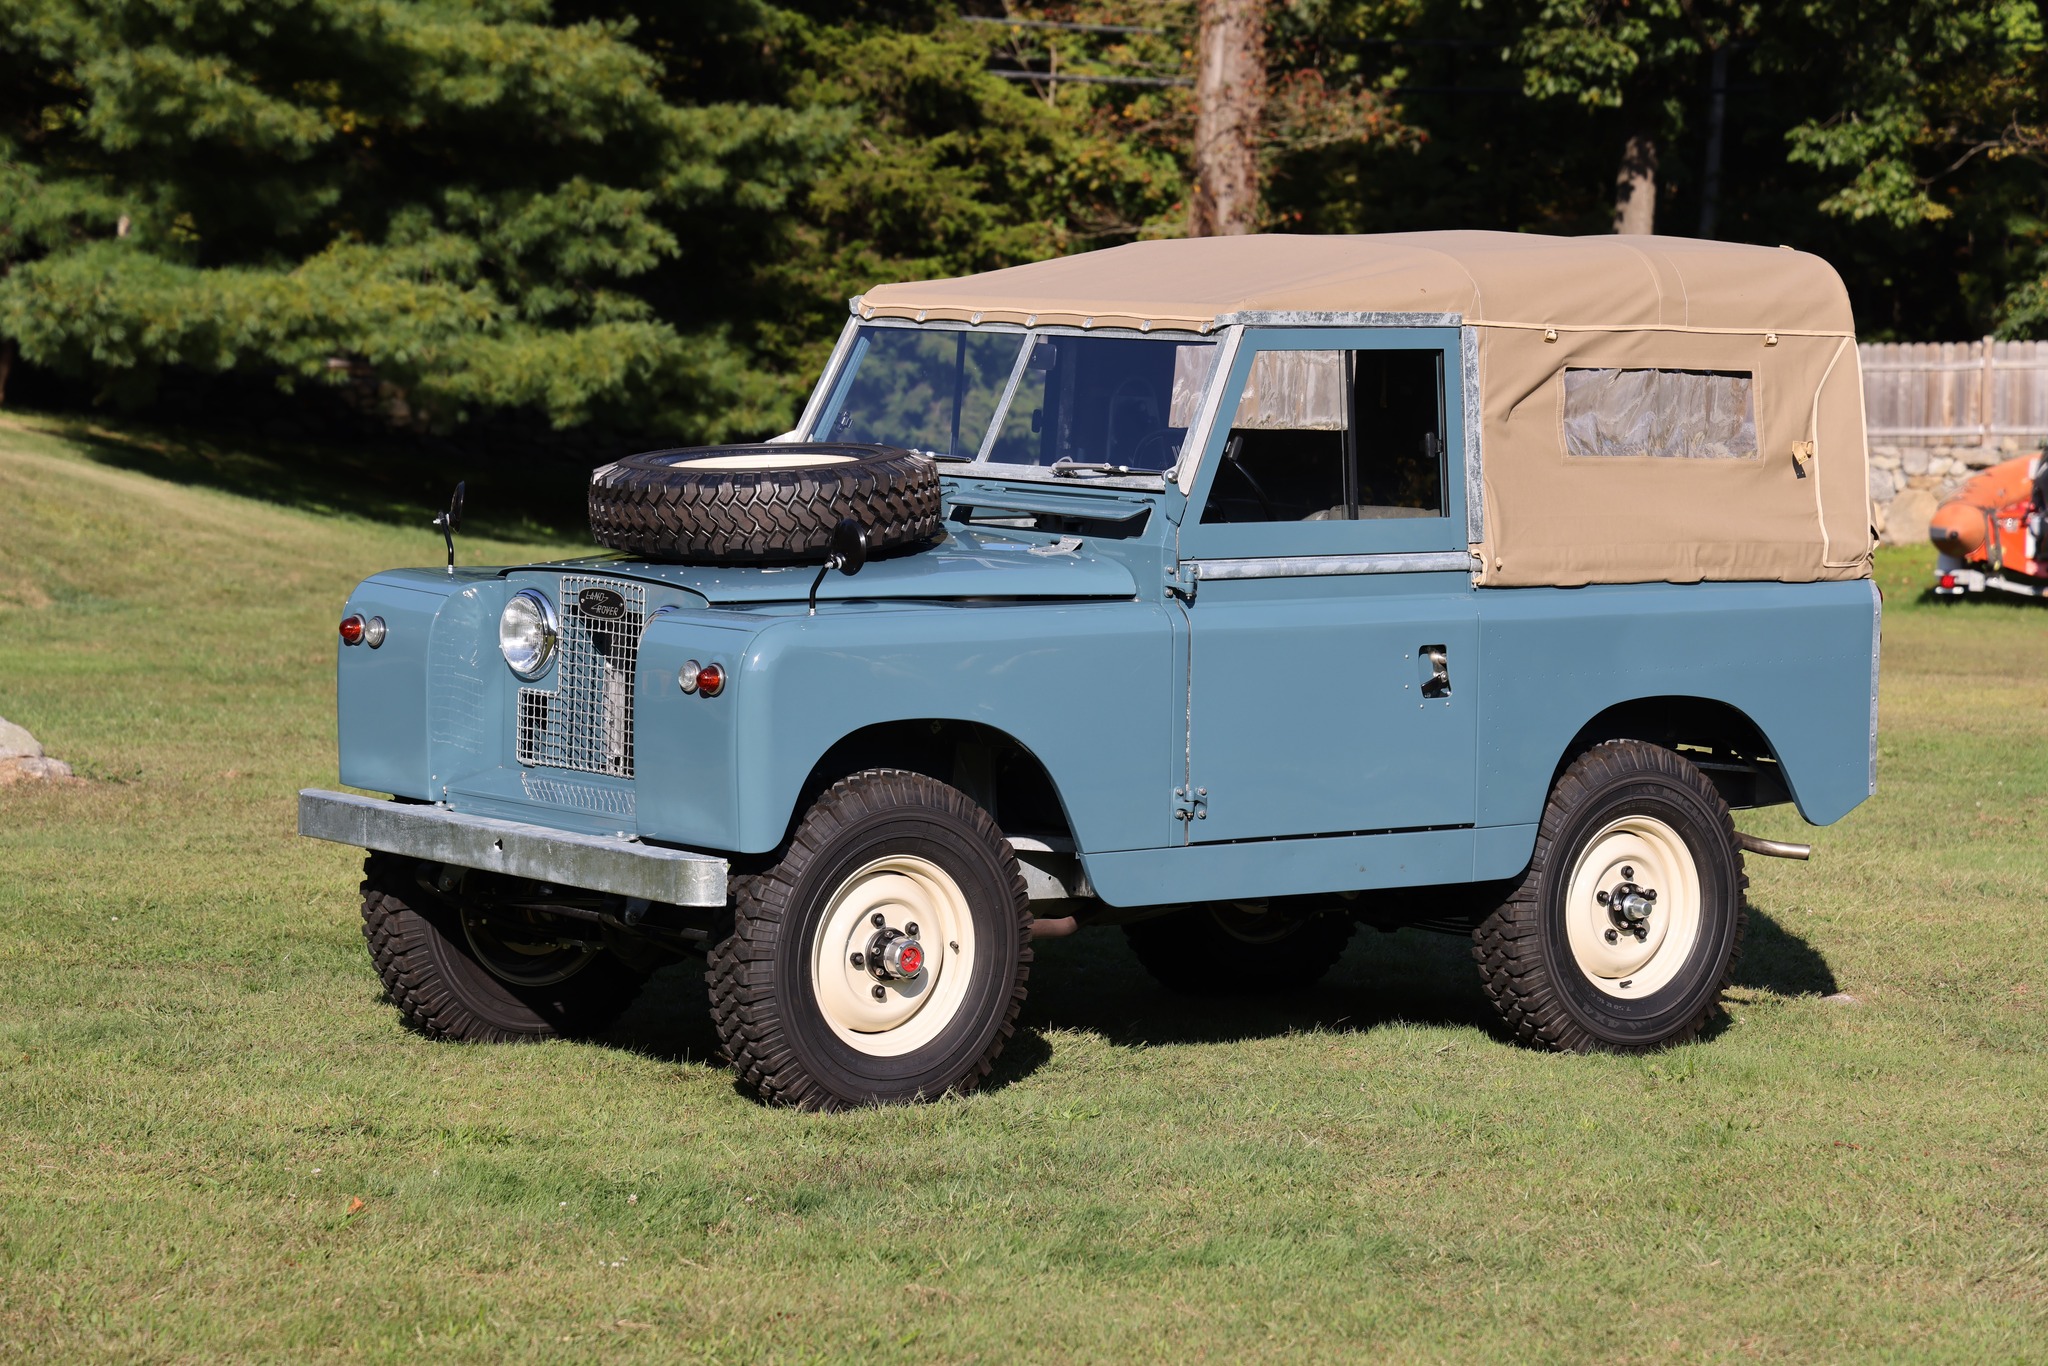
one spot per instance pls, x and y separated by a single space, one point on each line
1332 628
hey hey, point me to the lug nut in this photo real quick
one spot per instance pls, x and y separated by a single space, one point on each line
1600 897
1628 872
878 920
1612 937
881 994
860 960
911 929
1649 894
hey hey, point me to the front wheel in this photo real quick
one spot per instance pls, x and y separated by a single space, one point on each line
883 959
1622 933
459 969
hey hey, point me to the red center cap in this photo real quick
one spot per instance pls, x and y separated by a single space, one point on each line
910 959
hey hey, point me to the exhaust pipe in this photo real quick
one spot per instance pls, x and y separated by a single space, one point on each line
1058 927
1773 848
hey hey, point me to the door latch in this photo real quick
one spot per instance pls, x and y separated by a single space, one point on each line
1438 661
1191 804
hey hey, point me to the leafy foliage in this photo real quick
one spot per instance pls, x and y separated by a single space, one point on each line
650 217
461 194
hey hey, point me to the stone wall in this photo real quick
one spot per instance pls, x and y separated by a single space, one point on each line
1907 483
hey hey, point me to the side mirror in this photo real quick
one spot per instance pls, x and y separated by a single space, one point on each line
846 552
450 522
848 547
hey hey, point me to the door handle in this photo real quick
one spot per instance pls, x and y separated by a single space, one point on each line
1438 661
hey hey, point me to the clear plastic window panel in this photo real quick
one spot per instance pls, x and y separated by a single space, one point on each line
1664 414
585 722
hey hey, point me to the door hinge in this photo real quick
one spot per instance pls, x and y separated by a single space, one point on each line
1181 581
1191 805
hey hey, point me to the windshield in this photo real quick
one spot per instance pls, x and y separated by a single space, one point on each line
1103 401
931 391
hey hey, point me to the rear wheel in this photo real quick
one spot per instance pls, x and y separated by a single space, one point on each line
1622 933
1232 949
883 959
485 974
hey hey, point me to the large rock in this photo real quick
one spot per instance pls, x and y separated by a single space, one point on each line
35 769
22 759
1880 484
1906 519
17 743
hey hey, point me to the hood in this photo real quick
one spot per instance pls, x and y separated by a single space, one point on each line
969 563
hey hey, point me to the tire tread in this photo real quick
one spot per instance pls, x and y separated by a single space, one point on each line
1507 943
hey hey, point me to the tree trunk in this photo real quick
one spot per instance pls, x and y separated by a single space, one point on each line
1635 186
1717 122
8 351
1230 97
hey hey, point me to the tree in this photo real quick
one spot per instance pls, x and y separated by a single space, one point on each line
1941 136
1635 57
1230 101
462 195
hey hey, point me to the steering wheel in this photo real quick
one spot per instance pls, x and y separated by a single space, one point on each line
1164 436
1231 462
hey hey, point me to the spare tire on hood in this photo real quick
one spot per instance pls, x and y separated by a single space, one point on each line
762 504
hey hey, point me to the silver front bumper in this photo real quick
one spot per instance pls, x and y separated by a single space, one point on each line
595 863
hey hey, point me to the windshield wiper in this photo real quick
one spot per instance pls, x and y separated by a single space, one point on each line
1066 466
946 456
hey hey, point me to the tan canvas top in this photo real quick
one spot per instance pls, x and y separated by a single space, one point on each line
1488 278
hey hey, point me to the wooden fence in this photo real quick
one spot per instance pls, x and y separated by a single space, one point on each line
1955 393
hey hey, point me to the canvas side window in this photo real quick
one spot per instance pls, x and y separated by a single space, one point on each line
1666 414
1323 436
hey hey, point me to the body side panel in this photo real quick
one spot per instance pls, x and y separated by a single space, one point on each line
1792 657
1263 868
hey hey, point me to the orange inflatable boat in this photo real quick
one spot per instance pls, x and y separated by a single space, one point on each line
1991 535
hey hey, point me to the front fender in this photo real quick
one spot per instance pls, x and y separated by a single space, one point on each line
1083 685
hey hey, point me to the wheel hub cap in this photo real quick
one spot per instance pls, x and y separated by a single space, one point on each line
893 955
1632 910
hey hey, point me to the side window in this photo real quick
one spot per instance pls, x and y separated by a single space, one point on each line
1323 436
1661 414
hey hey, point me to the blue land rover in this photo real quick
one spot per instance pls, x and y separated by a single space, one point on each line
1234 592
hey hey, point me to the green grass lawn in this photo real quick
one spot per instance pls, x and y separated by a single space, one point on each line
217 1141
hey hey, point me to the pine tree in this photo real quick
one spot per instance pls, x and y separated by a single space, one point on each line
465 196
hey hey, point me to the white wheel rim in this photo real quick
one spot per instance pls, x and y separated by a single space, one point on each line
766 460
903 889
1648 853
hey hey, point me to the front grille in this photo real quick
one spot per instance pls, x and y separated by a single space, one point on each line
585 722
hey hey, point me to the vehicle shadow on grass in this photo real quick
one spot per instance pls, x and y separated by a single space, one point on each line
1780 961
1093 984
511 497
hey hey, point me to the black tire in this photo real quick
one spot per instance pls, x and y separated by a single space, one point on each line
674 505
1216 950
1531 971
435 973
777 1032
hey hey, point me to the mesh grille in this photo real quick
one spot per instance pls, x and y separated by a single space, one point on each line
586 722
582 796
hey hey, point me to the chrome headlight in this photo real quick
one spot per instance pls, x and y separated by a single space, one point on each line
528 633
